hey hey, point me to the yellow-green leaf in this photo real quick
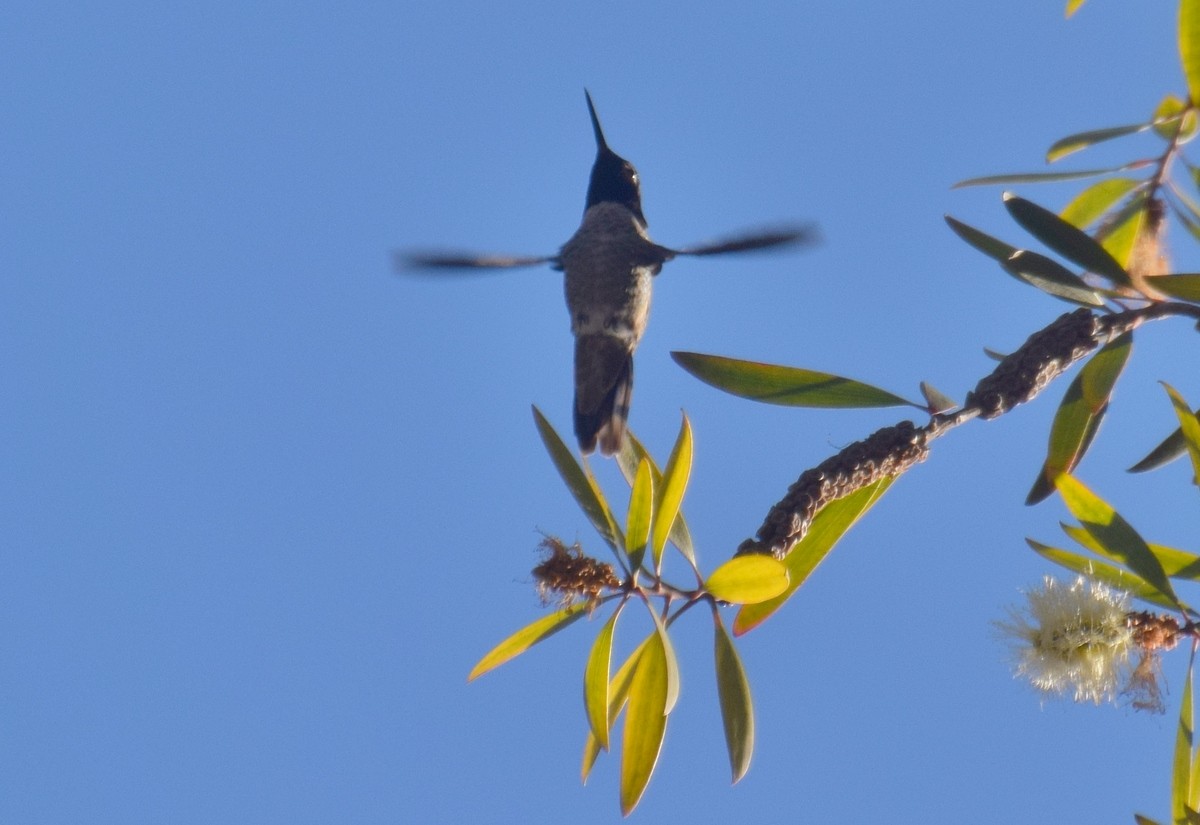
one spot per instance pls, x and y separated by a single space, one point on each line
1101 571
641 510
629 457
1184 287
581 484
595 680
737 708
1120 232
1189 426
1177 564
1064 238
674 485
830 524
1169 449
1034 177
1119 540
1181 767
645 723
789 386
1080 413
1081 140
1087 207
748 579
527 637
618 693
1189 45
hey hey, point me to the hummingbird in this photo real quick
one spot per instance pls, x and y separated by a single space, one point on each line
608 266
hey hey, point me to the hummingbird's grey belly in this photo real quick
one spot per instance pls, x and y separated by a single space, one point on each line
608 264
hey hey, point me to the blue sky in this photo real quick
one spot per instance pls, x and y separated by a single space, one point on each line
267 503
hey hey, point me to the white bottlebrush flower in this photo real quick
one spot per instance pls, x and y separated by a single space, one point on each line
1072 638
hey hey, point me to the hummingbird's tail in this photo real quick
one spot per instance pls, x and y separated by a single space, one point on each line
603 391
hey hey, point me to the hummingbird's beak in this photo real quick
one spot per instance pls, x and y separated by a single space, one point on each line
601 144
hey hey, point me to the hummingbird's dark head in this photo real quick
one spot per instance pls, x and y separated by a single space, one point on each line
614 180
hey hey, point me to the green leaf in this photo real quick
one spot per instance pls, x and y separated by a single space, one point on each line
527 637
645 723
618 693
1171 448
1120 230
1080 413
1101 571
1119 540
788 386
1170 117
1190 427
581 484
1181 767
830 524
748 579
1051 277
1189 45
737 708
1183 287
595 680
675 481
1178 564
1035 177
628 458
992 247
1144 820
1087 207
641 509
1081 140
1064 238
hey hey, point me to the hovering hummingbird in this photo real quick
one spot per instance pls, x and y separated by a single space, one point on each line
608 265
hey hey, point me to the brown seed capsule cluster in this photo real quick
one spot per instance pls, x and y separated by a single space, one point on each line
1026 372
566 575
885 453
1152 632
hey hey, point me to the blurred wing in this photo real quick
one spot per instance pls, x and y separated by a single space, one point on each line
756 240
451 260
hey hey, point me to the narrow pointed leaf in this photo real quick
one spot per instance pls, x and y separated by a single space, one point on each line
674 485
527 637
1051 277
618 693
1189 45
1087 207
1119 540
1033 177
595 680
1177 564
1081 140
641 510
1065 239
1189 426
1181 767
992 247
935 399
1170 117
1171 448
748 579
1073 6
645 723
830 524
629 457
672 660
1080 413
1119 231
1140 819
581 484
789 386
1102 571
1184 287
737 708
